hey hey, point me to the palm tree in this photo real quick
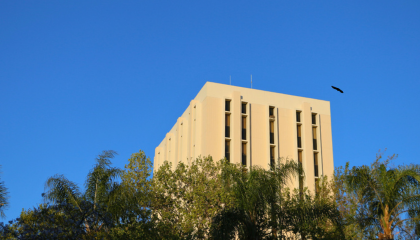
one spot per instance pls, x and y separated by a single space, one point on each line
3 199
102 190
282 173
313 217
257 194
248 218
389 193
101 185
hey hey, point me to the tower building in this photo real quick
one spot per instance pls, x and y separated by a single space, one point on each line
252 127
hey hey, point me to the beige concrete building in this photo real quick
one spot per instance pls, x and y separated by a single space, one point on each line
252 127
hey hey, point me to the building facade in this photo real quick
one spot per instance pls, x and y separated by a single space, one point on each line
252 127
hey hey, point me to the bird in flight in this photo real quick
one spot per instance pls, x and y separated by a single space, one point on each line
336 88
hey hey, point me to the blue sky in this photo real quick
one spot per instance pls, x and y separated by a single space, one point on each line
79 77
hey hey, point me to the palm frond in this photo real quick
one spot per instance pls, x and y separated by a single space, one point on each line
100 179
59 189
3 199
226 223
104 158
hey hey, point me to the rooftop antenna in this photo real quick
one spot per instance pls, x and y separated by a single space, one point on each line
230 80
251 81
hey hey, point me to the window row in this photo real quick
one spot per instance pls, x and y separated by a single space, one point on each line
316 170
244 151
299 136
315 148
313 117
227 106
243 130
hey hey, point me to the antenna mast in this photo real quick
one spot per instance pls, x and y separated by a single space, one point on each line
230 80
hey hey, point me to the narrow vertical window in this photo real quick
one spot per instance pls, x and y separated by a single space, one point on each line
314 137
316 163
313 118
244 108
227 105
227 150
272 161
299 137
271 112
244 154
272 132
300 159
297 116
227 125
243 128
271 129
227 130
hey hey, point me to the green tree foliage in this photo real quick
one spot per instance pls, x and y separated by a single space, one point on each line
265 209
349 203
102 186
313 217
279 176
249 217
3 198
58 221
102 192
137 187
108 209
188 197
219 200
136 221
386 194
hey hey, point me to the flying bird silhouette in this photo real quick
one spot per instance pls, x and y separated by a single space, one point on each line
336 88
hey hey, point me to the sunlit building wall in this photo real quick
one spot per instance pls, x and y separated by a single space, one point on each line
252 127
